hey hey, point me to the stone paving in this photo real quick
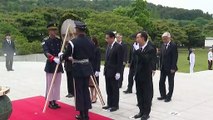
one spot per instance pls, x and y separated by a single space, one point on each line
192 98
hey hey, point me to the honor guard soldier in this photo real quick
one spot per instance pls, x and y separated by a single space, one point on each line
81 49
51 47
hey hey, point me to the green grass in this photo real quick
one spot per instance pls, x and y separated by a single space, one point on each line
200 60
183 64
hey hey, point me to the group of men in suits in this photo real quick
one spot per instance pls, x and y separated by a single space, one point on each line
142 69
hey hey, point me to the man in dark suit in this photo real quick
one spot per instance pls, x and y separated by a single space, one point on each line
112 71
143 77
9 50
131 64
82 50
155 57
125 54
96 64
68 68
168 62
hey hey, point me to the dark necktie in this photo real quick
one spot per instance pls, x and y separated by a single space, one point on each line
165 48
108 51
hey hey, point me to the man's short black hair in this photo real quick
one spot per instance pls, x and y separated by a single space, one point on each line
144 35
7 34
133 36
111 34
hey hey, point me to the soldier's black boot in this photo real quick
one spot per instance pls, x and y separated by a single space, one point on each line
55 104
79 117
51 105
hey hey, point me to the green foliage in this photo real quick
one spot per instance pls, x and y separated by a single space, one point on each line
137 11
195 36
99 23
31 25
161 26
208 29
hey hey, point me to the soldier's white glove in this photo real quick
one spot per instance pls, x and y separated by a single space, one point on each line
56 60
60 54
70 58
96 73
134 77
117 76
14 53
136 46
5 54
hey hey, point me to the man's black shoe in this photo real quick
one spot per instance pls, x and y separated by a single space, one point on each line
127 91
112 109
167 100
161 98
78 117
145 117
105 107
139 115
70 95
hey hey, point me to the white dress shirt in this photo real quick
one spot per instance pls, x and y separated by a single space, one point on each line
209 55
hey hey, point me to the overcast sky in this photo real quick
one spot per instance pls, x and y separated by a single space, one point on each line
205 5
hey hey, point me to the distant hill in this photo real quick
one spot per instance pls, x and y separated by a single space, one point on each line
159 11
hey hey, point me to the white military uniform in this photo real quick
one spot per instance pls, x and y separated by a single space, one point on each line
192 62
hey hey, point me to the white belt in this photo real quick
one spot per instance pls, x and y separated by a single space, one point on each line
81 61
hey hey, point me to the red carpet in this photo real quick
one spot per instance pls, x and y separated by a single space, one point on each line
31 109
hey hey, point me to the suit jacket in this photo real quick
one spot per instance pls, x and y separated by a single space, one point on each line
155 56
169 57
8 49
67 62
124 51
113 62
132 57
145 63
96 63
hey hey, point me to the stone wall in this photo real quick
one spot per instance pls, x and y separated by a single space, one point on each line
32 57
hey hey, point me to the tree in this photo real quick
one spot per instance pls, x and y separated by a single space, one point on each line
208 29
138 11
178 34
31 25
195 36
99 23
